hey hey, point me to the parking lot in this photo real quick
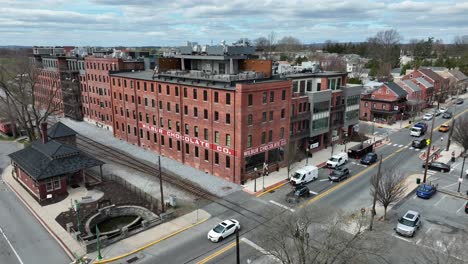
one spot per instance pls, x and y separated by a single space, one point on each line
444 221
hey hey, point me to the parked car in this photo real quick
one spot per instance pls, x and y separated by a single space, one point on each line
299 192
459 101
444 128
447 115
437 166
337 160
369 158
428 116
223 230
339 174
443 109
419 143
437 112
304 175
408 224
426 190
466 207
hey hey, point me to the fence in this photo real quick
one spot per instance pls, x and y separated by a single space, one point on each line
154 203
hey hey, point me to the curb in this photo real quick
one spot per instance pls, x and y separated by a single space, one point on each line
432 154
148 245
42 222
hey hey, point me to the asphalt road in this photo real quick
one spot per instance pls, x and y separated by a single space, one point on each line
192 245
22 237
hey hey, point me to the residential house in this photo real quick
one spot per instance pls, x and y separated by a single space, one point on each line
440 84
458 81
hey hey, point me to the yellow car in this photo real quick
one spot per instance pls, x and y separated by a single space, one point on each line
444 128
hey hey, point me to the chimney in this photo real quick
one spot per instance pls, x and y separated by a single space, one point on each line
44 132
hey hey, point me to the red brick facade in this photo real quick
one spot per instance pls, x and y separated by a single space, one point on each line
39 189
382 104
441 85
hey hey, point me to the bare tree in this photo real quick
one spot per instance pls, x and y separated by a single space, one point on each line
385 49
459 133
20 83
289 44
389 188
307 237
332 63
271 43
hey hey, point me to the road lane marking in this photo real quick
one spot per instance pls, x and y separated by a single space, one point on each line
450 185
217 253
402 238
400 146
272 189
336 187
414 197
463 206
323 180
428 230
11 246
314 193
395 145
419 241
411 148
282 205
443 197
255 246
405 146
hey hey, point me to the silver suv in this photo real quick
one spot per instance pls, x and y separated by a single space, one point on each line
408 224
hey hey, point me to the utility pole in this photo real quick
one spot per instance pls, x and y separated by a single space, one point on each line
428 151
461 172
237 247
374 201
163 209
453 124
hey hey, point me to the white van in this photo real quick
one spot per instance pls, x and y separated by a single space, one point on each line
304 175
337 160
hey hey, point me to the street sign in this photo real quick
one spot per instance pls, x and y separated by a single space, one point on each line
460 180
428 141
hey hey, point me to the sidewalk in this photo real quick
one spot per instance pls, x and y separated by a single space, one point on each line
276 179
46 216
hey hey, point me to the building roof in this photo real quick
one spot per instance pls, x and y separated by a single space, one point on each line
460 76
412 85
43 161
396 89
59 130
431 74
424 82
396 71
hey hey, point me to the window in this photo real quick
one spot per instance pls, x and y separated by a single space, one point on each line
216 140
205 95
283 112
383 106
155 138
271 115
228 118
263 137
205 133
216 116
249 141
187 129
195 112
178 145
366 104
272 96
228 162
187 148
282 132
176 91
178 126
228 140
270 136
146 101
168 90
185 92
152 88
153 103
216 158
196 151
170 142
168 106
195 131
228 98
139 100
177 108
250 99
138 85
147 135
374 105
249 119
206 154
205 113
264 98
161 122
169 124
160 105
162 140
264 117
185 110
216 97
195 94
159 88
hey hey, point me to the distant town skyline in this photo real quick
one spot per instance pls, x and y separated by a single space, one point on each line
170 23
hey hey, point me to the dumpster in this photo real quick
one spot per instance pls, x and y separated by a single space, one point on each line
360 150
418 180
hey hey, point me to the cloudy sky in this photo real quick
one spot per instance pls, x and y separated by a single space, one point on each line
170 22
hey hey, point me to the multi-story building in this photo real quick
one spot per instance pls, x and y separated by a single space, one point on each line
440 84
385 104
215 109
95 87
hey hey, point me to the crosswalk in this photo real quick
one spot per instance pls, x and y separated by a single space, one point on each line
406 147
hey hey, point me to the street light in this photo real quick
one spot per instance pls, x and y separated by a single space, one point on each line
428 151
307 155
461 172
255 180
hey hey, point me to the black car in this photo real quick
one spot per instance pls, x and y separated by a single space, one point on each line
299 191
419 143
437 166
369 158
459 101
447 115
339 174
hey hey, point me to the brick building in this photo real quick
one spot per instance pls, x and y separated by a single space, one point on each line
95 87
440 84
385 104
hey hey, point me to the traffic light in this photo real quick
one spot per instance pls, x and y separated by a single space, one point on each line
428 141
